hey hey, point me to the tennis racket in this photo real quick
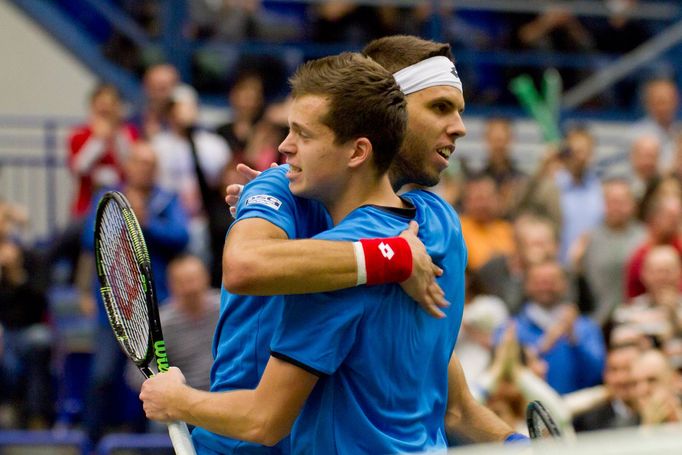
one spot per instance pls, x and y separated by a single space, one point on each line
540 422
127 288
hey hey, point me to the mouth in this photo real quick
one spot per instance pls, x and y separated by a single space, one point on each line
446 151
293 171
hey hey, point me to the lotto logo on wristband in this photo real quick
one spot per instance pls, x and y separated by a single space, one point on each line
386 251
381 261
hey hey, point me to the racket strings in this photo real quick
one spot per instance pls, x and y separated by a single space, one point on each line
127 311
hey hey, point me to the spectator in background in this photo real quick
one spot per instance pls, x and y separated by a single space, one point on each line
508 177
600 256
620 408
188 318
566 189
555 29
661 103
485 233
237 20
619 33
654 389
658 311
482 314
515 378
158 83
247 103
164 226
535 241
549 325
663 216
25 343
644 164
97 149
582 201
191 163
262 149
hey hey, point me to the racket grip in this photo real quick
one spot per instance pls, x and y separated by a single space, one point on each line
182 441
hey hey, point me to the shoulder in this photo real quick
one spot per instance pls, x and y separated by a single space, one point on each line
267 188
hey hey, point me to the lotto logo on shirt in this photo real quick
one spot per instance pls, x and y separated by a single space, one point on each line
386 251
264 199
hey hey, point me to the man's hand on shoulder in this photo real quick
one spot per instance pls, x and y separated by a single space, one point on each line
234 191
422 285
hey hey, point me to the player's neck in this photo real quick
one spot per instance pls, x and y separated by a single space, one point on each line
361 190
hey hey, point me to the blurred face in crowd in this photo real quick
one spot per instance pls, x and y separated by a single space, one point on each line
498 137
650 372
184 110
546 284
107 104
665 220
188 280
434 124
661 269
619 204
581 146
159 82
535 240
661 100
481 200
618 373
140 168
644 157
247 98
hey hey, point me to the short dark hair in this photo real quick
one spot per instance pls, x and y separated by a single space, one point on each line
400 51
364 101
104 87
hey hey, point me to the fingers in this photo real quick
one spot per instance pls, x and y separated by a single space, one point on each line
273 165
247 172
413 227
437 271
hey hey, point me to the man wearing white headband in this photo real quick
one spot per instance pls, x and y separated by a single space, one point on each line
426 74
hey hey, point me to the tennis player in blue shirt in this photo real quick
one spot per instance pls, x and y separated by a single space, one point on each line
339 149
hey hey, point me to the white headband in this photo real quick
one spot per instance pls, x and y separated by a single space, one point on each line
428 73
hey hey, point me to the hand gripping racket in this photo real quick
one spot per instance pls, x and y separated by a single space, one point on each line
127 288
540 422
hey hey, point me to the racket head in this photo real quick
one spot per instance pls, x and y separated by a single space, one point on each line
126 283
541 424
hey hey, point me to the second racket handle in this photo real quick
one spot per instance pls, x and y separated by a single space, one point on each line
182 441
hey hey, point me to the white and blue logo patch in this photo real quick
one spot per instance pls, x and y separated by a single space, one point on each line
264 199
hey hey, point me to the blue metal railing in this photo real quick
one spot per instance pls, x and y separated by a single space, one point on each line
32 158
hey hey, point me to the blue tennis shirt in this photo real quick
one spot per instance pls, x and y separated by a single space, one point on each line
241 346
381 359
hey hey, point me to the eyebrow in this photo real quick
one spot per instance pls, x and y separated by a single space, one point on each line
449 102
298 127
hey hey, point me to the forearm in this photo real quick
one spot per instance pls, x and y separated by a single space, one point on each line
273 266
234 414
476 423
467 418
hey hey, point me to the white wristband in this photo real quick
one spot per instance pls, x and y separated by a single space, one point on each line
360 260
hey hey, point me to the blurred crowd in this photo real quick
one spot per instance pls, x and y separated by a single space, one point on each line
574 280
555 31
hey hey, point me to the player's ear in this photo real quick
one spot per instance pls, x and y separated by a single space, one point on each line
362 152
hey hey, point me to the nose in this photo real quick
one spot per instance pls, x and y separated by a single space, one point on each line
287 146
456 127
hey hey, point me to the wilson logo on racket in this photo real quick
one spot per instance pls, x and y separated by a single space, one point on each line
161 356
